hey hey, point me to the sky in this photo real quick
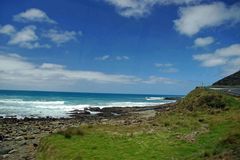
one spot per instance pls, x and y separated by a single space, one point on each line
117 46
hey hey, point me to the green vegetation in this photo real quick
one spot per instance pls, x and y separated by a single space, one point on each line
194 133
72 131
202 98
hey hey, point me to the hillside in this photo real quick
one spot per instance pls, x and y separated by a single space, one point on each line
231 80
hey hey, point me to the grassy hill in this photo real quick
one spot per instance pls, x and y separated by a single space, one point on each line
203 98
232 80
205 125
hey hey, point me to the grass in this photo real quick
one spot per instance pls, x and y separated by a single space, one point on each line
193 135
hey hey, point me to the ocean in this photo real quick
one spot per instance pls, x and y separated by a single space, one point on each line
37 104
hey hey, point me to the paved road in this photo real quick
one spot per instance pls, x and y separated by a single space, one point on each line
230 90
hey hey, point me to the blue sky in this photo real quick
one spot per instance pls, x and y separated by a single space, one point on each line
120 46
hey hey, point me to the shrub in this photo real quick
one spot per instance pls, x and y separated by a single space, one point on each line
229 146
72 131
203 98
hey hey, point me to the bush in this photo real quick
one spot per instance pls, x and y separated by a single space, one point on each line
72 131
229 146
203 98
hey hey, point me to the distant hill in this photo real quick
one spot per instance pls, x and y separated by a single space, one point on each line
232 80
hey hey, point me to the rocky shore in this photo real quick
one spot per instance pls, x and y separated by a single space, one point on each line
19 138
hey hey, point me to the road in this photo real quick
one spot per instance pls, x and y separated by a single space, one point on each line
230 90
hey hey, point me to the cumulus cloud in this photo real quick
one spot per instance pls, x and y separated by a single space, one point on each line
60 37
29 38
18 71
228 58
166 67
141 8
7 29
27 34
33 15
26 38
203 41
195 18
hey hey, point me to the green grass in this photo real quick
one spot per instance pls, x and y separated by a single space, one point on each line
170 135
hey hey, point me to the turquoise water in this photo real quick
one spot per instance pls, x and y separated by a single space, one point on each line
57 104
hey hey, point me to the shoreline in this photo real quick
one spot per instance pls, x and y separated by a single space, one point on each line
97 111
19 138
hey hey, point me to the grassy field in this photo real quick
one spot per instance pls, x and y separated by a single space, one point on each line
207 133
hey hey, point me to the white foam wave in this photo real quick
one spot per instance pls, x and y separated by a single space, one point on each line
24 108
22 102
107 105
154 98
64 107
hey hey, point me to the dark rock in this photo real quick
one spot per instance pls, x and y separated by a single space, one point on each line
1 137
172 98
35 145
105 114
5 156
94 109
29 137
19 138
4 151
23 143
12 151
8 139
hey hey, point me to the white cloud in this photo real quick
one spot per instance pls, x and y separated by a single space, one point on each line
34 45
141 8
163 65
228 58
15 69
120 58
7 29
19 72
195 18
33 15
51 66
26 38
169 70
108 57
60 37
203 41
166 67
161 80
27 34
102 58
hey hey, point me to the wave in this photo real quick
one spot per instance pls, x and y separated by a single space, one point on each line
62 104
68 107
21 101
154 98
133 104
25 108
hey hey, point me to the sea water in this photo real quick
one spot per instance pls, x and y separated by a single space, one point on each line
22 104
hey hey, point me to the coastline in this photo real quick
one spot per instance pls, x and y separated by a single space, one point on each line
19 138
